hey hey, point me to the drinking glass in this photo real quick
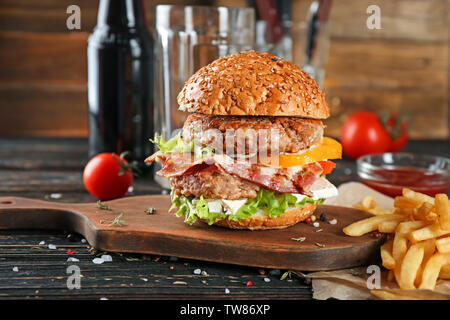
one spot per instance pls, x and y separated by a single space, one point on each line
188 38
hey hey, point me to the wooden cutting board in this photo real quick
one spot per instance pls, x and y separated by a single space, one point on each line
163 233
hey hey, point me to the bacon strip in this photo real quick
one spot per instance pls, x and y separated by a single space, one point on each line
277 179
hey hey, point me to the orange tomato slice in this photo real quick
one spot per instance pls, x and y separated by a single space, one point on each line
329 149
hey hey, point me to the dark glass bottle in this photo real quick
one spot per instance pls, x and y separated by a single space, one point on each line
120 80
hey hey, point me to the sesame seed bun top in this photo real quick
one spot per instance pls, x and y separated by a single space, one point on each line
253 83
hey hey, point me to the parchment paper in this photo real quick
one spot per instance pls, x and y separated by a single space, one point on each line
351 284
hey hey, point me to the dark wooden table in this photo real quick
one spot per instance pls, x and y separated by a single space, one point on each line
48 168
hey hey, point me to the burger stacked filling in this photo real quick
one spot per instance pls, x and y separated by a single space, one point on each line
212 184
228 166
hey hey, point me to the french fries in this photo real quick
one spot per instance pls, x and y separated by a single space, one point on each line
389 226
386 255
410 266
432 270
445 272
443 245
370 224
417 253
443 211
428 232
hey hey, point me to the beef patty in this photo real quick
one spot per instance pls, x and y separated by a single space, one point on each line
249 134
213 184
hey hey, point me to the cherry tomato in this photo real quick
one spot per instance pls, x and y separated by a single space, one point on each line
398 130
103 178
362 134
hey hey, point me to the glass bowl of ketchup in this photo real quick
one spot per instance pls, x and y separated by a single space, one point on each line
389 173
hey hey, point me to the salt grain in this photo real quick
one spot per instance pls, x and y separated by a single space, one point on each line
316 224
130 189
56 195
83 241
52 246
197 271
72 259
103 298
41 243
204 273
144 279
334 221
266 280
106 258
227 291
15 269
98 261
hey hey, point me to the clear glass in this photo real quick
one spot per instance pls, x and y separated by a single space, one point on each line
311 41
188 38
384 172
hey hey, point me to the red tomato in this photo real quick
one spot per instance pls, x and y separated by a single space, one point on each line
101 177
398 130
363 134
327 166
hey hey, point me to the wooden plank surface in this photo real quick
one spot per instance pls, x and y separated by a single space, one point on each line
42 271
389 65
164 233
42 274
43 78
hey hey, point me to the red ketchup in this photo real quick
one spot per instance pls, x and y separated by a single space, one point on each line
393 181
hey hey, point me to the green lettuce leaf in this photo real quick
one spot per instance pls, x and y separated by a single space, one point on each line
178 145
272 203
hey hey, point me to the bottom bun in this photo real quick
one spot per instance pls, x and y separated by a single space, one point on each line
287 219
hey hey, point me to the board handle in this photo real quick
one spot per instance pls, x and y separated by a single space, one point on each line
19 202
25 213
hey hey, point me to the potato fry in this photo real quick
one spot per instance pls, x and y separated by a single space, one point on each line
403 202
431 216
419 274
389 226
423 211
428 232
408 213
443 245
410 265
429 249
387 258
369 202
417 196
374 211
399 248
443 210
408 226
367 225
445 272
432 270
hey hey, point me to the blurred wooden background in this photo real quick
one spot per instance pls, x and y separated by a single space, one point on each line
404 66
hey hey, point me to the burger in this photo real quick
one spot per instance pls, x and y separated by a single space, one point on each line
251 154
